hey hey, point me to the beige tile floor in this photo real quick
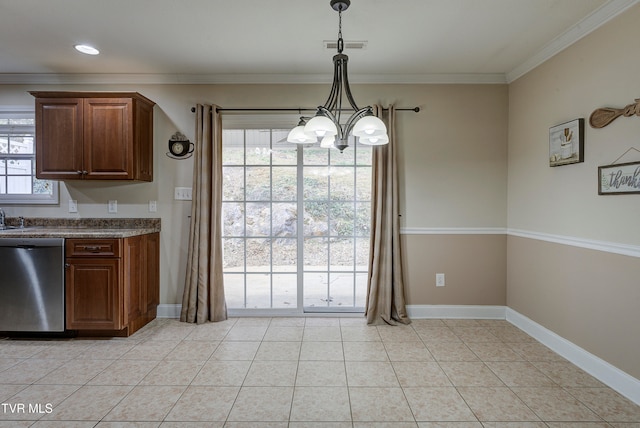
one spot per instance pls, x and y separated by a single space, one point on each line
304 372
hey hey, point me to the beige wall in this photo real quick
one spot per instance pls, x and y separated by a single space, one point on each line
586 296
474 268
453 169
589 297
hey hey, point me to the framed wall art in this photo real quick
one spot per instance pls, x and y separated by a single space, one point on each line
566 143
619 179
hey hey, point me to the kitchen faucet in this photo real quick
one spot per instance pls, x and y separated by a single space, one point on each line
2 225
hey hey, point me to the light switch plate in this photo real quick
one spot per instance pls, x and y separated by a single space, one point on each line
153 206
73 206
182 194
439 280
113 207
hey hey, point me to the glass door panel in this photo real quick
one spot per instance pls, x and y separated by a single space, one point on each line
336 209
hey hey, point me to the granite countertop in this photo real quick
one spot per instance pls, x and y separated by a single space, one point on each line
80 228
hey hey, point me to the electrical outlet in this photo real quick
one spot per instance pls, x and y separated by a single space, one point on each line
153 206
73 206
439 280
113 207
182 194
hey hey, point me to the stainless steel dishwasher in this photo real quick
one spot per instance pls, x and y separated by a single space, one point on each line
32 285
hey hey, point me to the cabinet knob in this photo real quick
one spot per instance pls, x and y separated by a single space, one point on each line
79 172
66 265
85 172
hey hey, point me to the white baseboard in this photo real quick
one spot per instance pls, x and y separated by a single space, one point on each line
173 311
414 311
456 311
611 376
169 311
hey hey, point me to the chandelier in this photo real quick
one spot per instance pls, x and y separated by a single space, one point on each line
326 126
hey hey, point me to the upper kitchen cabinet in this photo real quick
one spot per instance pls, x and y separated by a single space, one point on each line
94 136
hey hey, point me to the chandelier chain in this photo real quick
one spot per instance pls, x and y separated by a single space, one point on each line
340 42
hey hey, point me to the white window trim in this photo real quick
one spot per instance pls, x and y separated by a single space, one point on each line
21 112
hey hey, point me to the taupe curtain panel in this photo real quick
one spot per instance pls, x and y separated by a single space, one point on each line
385 294
203 298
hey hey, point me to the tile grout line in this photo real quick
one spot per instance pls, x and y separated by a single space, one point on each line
447 375
413 414
346 376
133 387
164 419
246 374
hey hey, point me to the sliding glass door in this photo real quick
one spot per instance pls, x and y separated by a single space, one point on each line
296 223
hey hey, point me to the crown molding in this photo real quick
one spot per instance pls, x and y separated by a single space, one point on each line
210 79
442 78
596 19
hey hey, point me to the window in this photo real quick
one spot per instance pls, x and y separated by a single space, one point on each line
18 183
295 223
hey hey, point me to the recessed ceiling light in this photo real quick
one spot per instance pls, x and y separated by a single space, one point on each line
86 49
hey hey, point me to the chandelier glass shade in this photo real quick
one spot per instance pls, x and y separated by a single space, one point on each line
321 126
377 140
327 124
297 135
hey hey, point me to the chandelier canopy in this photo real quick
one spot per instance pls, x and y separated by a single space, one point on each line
326 125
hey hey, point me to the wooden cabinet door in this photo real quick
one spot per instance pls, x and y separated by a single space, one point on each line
59 138
153 273
143 141
135 289
141 269
94 294
108 133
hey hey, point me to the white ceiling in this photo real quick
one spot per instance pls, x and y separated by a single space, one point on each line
255 41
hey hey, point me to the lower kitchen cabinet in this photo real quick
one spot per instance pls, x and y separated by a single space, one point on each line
112 285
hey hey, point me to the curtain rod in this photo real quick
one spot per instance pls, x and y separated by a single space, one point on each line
299 110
